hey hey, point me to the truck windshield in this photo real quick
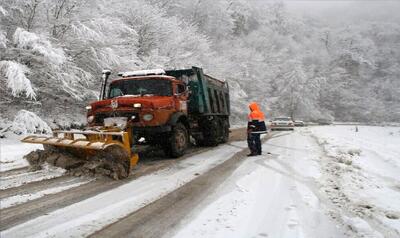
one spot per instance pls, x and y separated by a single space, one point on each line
143 87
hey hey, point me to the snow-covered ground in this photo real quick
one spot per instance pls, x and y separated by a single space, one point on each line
326 181
11 152
322 181
364 175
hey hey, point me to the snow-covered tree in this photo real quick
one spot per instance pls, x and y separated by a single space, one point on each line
28 122
52 51
17 82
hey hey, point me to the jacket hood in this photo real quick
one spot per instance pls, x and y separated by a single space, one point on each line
254 107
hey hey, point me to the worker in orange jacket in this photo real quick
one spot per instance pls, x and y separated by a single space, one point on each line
255 127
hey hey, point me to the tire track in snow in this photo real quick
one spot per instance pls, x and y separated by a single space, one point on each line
25 197
18 214
23 212
29 177
34 186
16 171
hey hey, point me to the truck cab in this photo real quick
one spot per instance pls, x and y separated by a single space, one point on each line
146 101
164 107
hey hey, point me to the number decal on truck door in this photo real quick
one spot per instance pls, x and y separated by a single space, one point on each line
183 105
114 104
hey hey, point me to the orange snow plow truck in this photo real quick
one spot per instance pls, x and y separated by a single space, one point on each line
163 108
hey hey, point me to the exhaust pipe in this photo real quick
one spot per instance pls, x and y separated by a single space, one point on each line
106 73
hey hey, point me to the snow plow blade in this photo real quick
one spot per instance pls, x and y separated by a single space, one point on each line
106 151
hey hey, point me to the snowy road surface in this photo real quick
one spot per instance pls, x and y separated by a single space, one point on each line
327 181
274 195
317 182
87 216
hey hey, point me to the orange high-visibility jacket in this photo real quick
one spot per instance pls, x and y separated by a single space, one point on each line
255 113
256 119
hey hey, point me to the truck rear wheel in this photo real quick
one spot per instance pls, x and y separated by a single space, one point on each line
225 131
177 142
211 133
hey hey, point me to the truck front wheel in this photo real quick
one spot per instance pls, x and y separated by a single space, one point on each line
177 142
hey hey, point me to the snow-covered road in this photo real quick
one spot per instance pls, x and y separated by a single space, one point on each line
273 195
317 182
85 217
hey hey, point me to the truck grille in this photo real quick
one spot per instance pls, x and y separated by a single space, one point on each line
99 117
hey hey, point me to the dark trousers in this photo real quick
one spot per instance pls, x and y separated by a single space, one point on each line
254 143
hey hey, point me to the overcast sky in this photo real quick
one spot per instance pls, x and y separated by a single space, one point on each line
344 9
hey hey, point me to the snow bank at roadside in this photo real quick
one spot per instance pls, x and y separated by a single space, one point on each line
363 176
11 149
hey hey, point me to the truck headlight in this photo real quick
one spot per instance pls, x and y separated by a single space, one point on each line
90 119
137 105
147 117
88 107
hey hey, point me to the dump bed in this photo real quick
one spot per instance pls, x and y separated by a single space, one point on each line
208 95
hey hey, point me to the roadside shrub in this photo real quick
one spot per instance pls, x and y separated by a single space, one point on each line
26 122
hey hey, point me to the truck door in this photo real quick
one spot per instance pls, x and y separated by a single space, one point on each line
181 97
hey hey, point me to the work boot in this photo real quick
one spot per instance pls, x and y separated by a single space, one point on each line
251 154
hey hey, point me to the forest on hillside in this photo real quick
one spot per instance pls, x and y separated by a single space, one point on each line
52 53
